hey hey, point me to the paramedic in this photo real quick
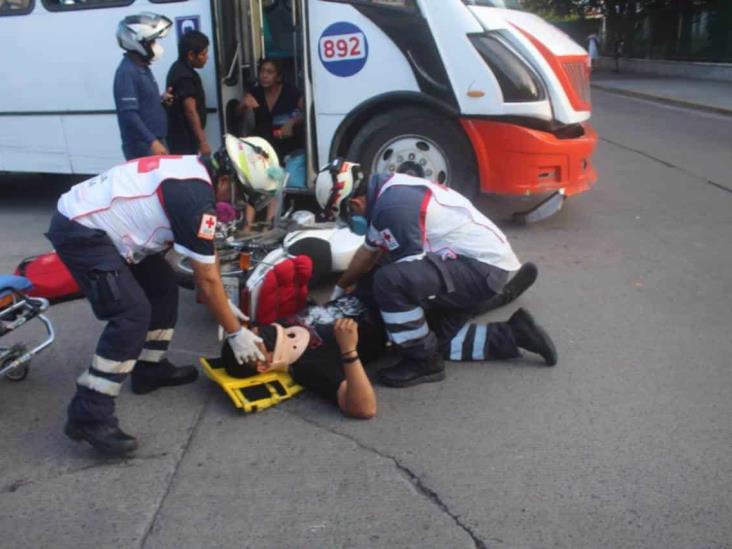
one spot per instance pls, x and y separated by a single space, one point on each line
111 231
446 260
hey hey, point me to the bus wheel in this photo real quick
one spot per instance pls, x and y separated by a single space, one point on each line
418 142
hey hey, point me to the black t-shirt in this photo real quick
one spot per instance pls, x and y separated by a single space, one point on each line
191 210
320 369
185 82
266 121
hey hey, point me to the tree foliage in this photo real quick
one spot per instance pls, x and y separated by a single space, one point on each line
667 29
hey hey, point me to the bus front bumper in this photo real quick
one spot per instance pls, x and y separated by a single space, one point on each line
516 160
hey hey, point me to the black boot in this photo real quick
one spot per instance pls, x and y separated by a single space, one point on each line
532 337
521 281
148 376
409 372
105 436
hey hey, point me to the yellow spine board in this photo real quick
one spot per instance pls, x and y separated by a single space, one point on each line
253 393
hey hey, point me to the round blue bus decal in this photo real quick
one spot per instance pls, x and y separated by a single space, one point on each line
343 49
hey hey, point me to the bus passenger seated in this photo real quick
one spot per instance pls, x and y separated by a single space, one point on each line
278 109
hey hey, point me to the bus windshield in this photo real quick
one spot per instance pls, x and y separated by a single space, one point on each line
510 4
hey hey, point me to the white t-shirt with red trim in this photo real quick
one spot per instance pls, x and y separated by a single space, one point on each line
147 205
412 216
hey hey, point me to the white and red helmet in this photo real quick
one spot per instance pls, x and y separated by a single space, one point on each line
336 182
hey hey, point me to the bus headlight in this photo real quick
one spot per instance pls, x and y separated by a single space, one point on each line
518 81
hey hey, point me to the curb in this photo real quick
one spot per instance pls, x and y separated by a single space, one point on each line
664 99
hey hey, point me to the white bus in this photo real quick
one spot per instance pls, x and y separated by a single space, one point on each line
465 92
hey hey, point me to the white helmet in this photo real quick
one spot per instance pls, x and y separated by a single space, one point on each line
257 168
138 32
336 182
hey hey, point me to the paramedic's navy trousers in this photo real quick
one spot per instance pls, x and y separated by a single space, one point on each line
426 305
139 303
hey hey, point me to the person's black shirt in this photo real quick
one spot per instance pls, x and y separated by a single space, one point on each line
185 82
267 121
320 369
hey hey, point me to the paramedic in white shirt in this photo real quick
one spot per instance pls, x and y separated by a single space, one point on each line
445 260
112 231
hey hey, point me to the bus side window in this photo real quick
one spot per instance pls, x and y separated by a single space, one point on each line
64 5
15 7
389 3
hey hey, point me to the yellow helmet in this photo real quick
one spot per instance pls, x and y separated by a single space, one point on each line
257 168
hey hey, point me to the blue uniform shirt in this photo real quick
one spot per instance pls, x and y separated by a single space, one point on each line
396 220
140 114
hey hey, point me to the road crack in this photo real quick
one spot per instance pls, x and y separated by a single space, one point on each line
184 451
416 481
668 164
101 463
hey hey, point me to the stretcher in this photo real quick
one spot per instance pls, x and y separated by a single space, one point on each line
253 393
17 309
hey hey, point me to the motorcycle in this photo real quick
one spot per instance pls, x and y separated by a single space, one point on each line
245 260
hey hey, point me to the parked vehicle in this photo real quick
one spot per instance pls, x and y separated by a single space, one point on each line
465 92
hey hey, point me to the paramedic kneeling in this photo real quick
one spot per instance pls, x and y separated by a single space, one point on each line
446 261
111 232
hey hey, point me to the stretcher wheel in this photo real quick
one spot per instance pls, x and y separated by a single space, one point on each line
19 373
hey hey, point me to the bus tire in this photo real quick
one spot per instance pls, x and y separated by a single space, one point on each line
421 142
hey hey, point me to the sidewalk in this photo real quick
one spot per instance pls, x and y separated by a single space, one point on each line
706 95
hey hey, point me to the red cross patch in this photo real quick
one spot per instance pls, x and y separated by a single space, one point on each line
391 242
207 230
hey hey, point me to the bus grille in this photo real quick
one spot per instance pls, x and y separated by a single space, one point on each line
579 76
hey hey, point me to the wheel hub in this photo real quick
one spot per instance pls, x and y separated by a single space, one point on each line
413 155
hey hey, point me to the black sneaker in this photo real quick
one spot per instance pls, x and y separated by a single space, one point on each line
532 337
108 438
149 376
409 372
519 283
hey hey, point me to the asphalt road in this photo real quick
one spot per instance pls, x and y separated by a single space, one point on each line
627 442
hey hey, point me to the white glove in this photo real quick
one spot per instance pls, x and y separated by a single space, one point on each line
337 292
244 345
237 312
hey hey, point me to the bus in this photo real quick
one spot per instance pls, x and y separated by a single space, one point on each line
469 93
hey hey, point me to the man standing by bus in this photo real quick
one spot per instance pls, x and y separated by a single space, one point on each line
187 113
142 120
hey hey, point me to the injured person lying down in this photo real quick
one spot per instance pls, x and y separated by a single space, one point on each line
324 347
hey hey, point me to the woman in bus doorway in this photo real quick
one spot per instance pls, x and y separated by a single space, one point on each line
278 108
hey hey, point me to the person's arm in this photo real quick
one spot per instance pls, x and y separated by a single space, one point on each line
191 114
362 262
189 204
243 342
208 282
247 102
288 128
356 397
